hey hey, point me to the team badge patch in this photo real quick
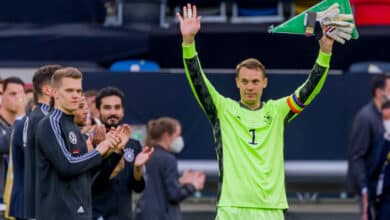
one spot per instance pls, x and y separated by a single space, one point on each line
72 137
267 118
129 155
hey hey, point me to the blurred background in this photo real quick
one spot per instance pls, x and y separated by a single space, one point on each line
136 46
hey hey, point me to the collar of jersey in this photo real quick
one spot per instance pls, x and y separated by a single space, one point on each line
243 106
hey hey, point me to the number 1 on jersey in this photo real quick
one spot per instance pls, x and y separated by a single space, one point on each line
253 131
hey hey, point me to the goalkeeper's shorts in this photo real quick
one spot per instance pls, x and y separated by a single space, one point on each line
240 213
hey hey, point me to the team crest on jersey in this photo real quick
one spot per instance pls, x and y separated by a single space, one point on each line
267 118
72 137
129 155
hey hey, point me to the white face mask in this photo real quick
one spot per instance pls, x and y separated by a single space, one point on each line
177 145
386 125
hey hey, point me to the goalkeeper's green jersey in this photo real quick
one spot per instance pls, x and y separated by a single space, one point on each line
249 143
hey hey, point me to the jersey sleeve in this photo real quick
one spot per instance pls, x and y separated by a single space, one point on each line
101 177
133 184
205 94
292 105
54 149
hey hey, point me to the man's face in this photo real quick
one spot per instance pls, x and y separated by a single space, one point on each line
92 106
13 98
251 83
67 94
111 111
80 115
29 95
386 89
1 91
386 114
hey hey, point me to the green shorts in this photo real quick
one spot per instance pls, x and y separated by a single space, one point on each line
238 213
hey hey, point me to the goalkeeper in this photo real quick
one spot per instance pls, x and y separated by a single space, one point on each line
249 133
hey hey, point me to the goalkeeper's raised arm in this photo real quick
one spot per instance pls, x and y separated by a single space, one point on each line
206 95
305 93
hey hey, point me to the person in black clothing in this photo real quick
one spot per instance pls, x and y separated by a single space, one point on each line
42 95
164 190
16 206
366 126
378 169
64 167
12 104
112 190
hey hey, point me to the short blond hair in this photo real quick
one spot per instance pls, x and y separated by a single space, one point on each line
250 63
67 72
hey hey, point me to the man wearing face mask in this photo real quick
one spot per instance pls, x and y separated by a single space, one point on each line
112 189
366 127
164 189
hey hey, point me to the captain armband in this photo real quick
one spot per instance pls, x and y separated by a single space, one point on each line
294 104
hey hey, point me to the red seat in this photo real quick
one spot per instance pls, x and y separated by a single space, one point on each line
371 12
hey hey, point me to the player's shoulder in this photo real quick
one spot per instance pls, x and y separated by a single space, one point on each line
20 121
367 112
53 117
134 144
19 124
36 115
273 103
164 156
231 103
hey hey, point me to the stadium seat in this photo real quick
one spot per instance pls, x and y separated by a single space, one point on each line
211 10
254 11
371 12
135 66
370 67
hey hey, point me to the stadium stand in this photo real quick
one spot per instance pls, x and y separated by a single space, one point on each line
211 11
252 11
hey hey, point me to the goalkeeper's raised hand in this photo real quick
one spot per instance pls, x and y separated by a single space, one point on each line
339 27
189 23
